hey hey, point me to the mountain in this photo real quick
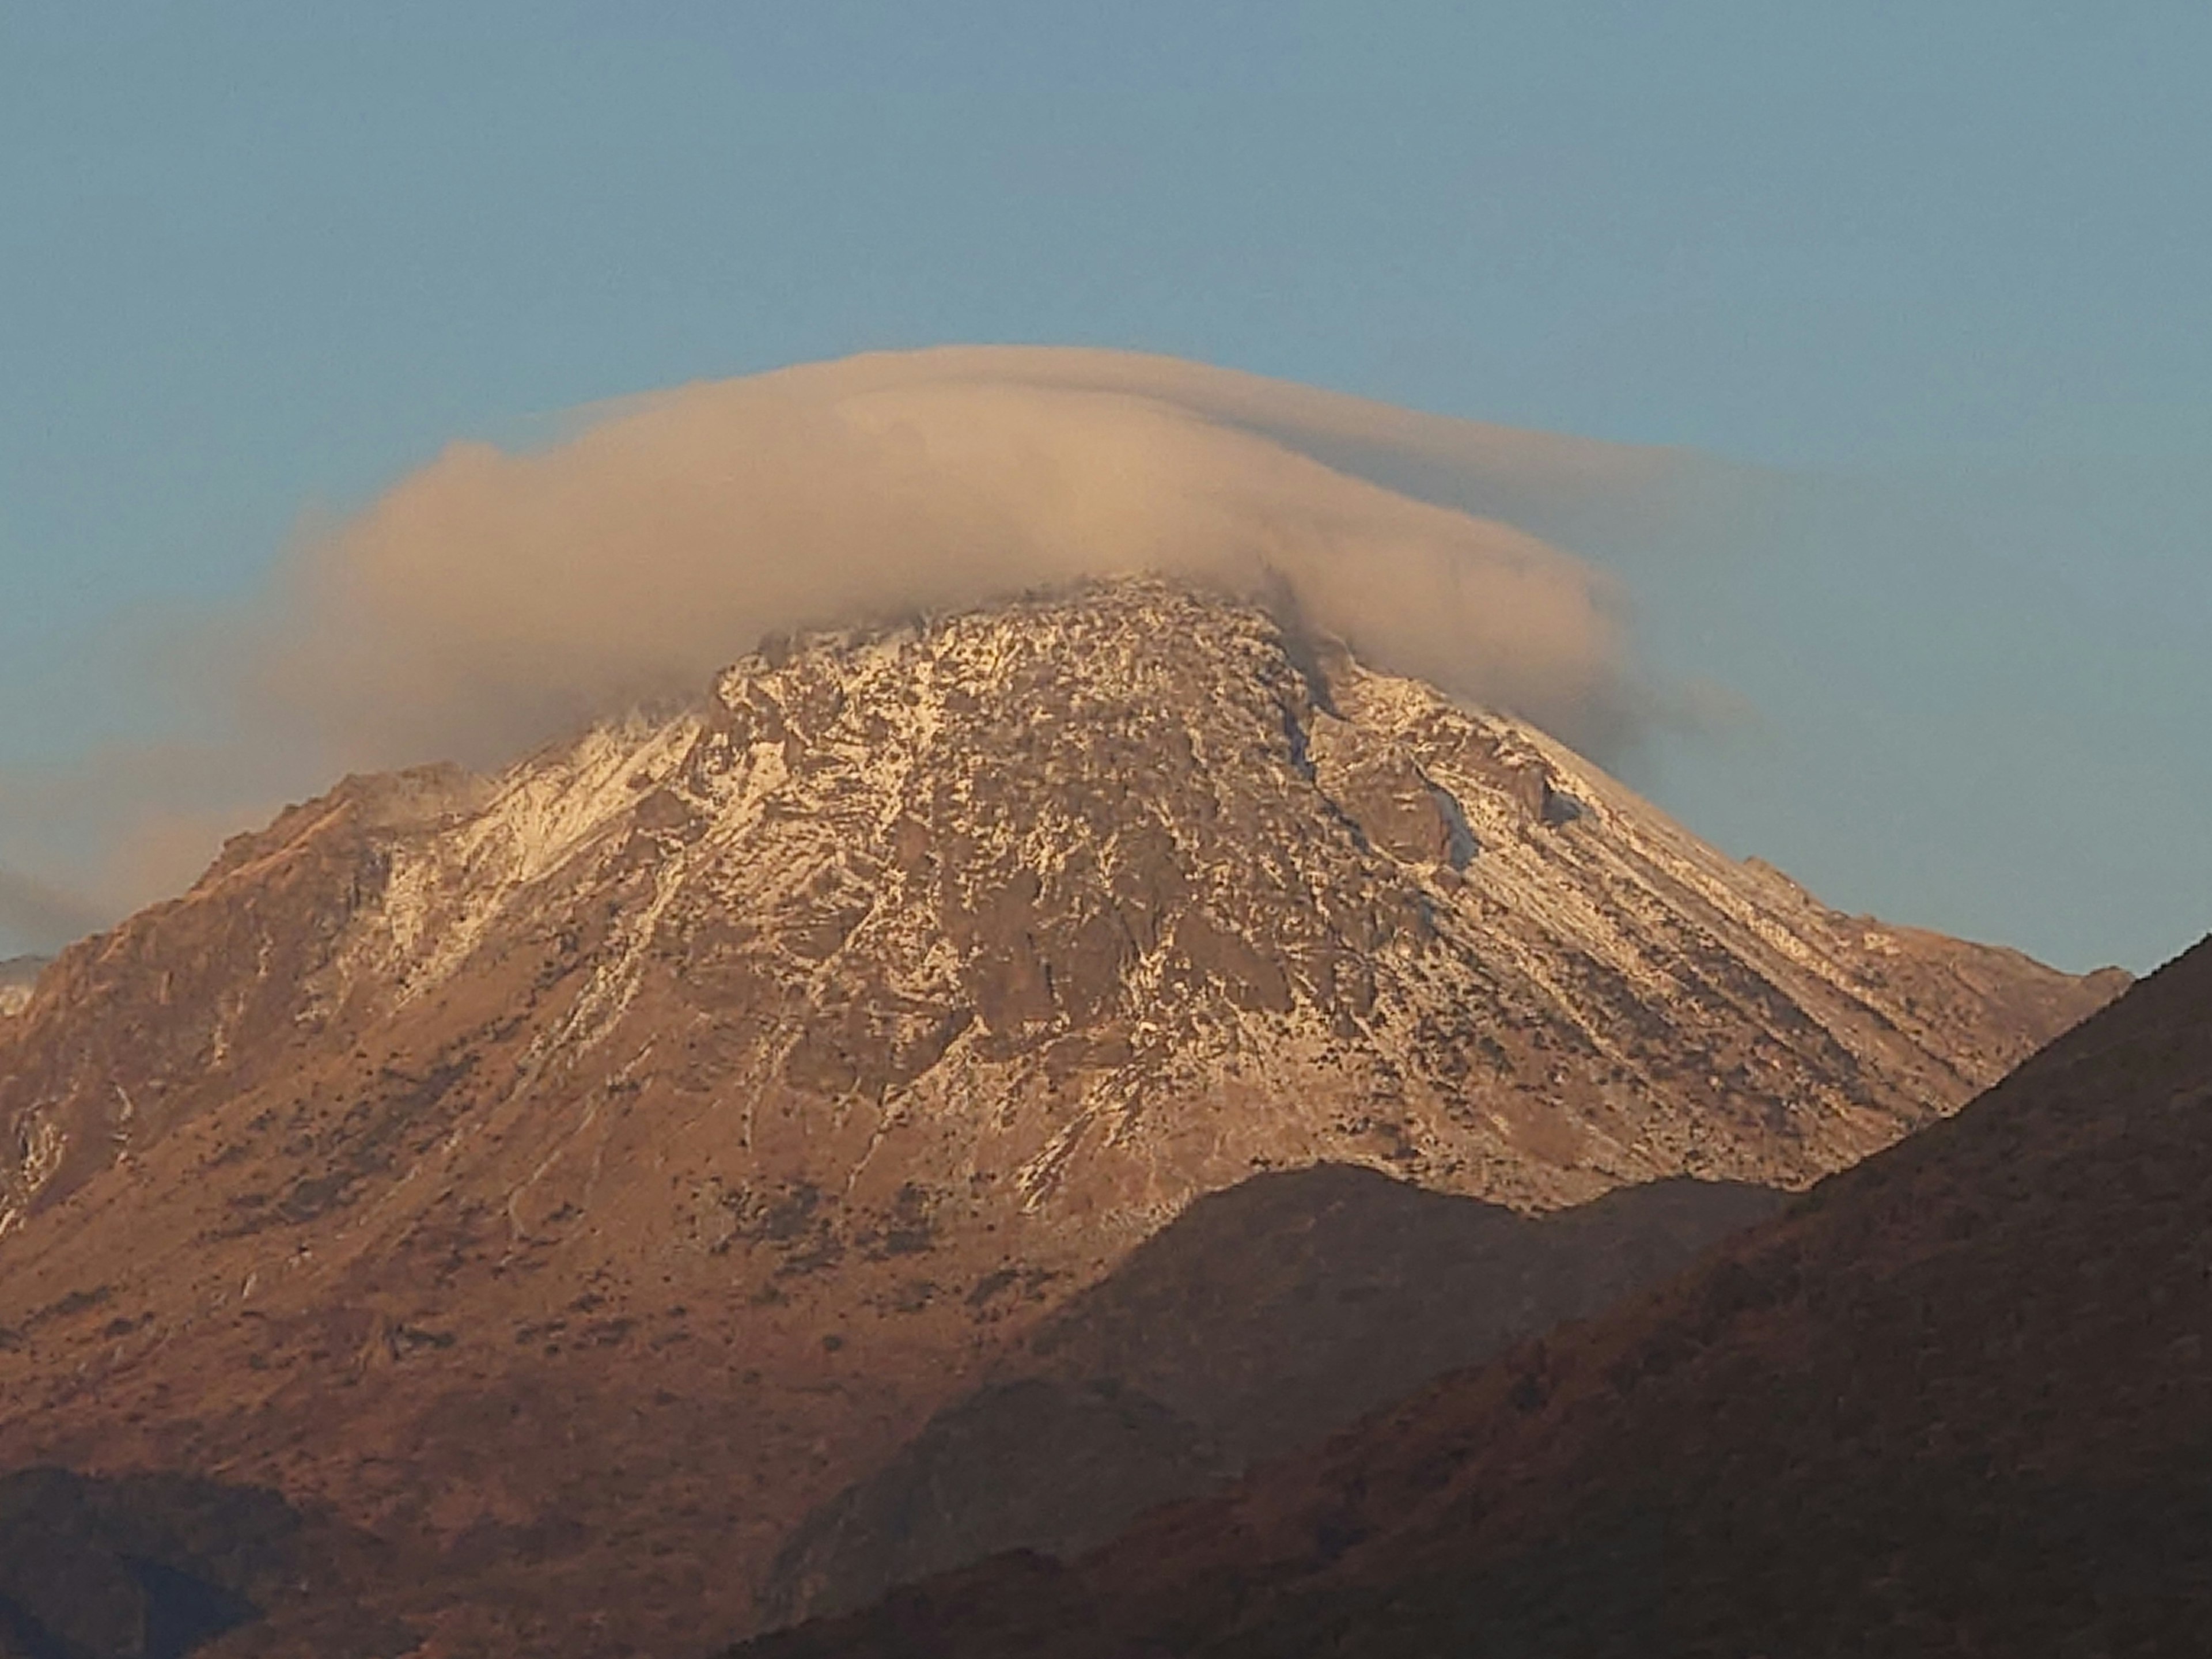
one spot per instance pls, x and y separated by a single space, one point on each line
1955 1400
580 1175
1260 1319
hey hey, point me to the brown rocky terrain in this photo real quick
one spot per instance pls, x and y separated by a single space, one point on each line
1955 1401
1258 1320
575 1176
17 975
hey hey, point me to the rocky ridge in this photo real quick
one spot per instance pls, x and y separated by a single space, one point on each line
630 1149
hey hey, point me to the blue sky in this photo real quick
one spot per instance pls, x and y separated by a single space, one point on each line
1938 270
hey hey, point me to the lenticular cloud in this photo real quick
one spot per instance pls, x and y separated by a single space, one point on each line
493 598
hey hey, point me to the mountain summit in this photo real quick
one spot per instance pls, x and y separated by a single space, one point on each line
572 1173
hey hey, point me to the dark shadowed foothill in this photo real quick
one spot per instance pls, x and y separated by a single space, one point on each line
1957 1399
1259 1321
163 1566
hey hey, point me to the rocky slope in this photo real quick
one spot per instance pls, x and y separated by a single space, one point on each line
558 1170
1257 1322
1956 1401
18 975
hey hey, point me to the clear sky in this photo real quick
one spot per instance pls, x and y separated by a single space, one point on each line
1939 270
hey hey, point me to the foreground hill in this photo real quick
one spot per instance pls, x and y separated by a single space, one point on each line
1259 1320
159 1566
577 1176
1956 1401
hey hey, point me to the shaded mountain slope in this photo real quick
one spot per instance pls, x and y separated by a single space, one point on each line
1258 1320
1958 1400
578 1173
159 1567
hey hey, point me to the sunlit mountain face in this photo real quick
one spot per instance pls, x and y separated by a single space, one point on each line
561 1182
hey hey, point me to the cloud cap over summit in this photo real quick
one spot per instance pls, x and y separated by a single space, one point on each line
492 598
